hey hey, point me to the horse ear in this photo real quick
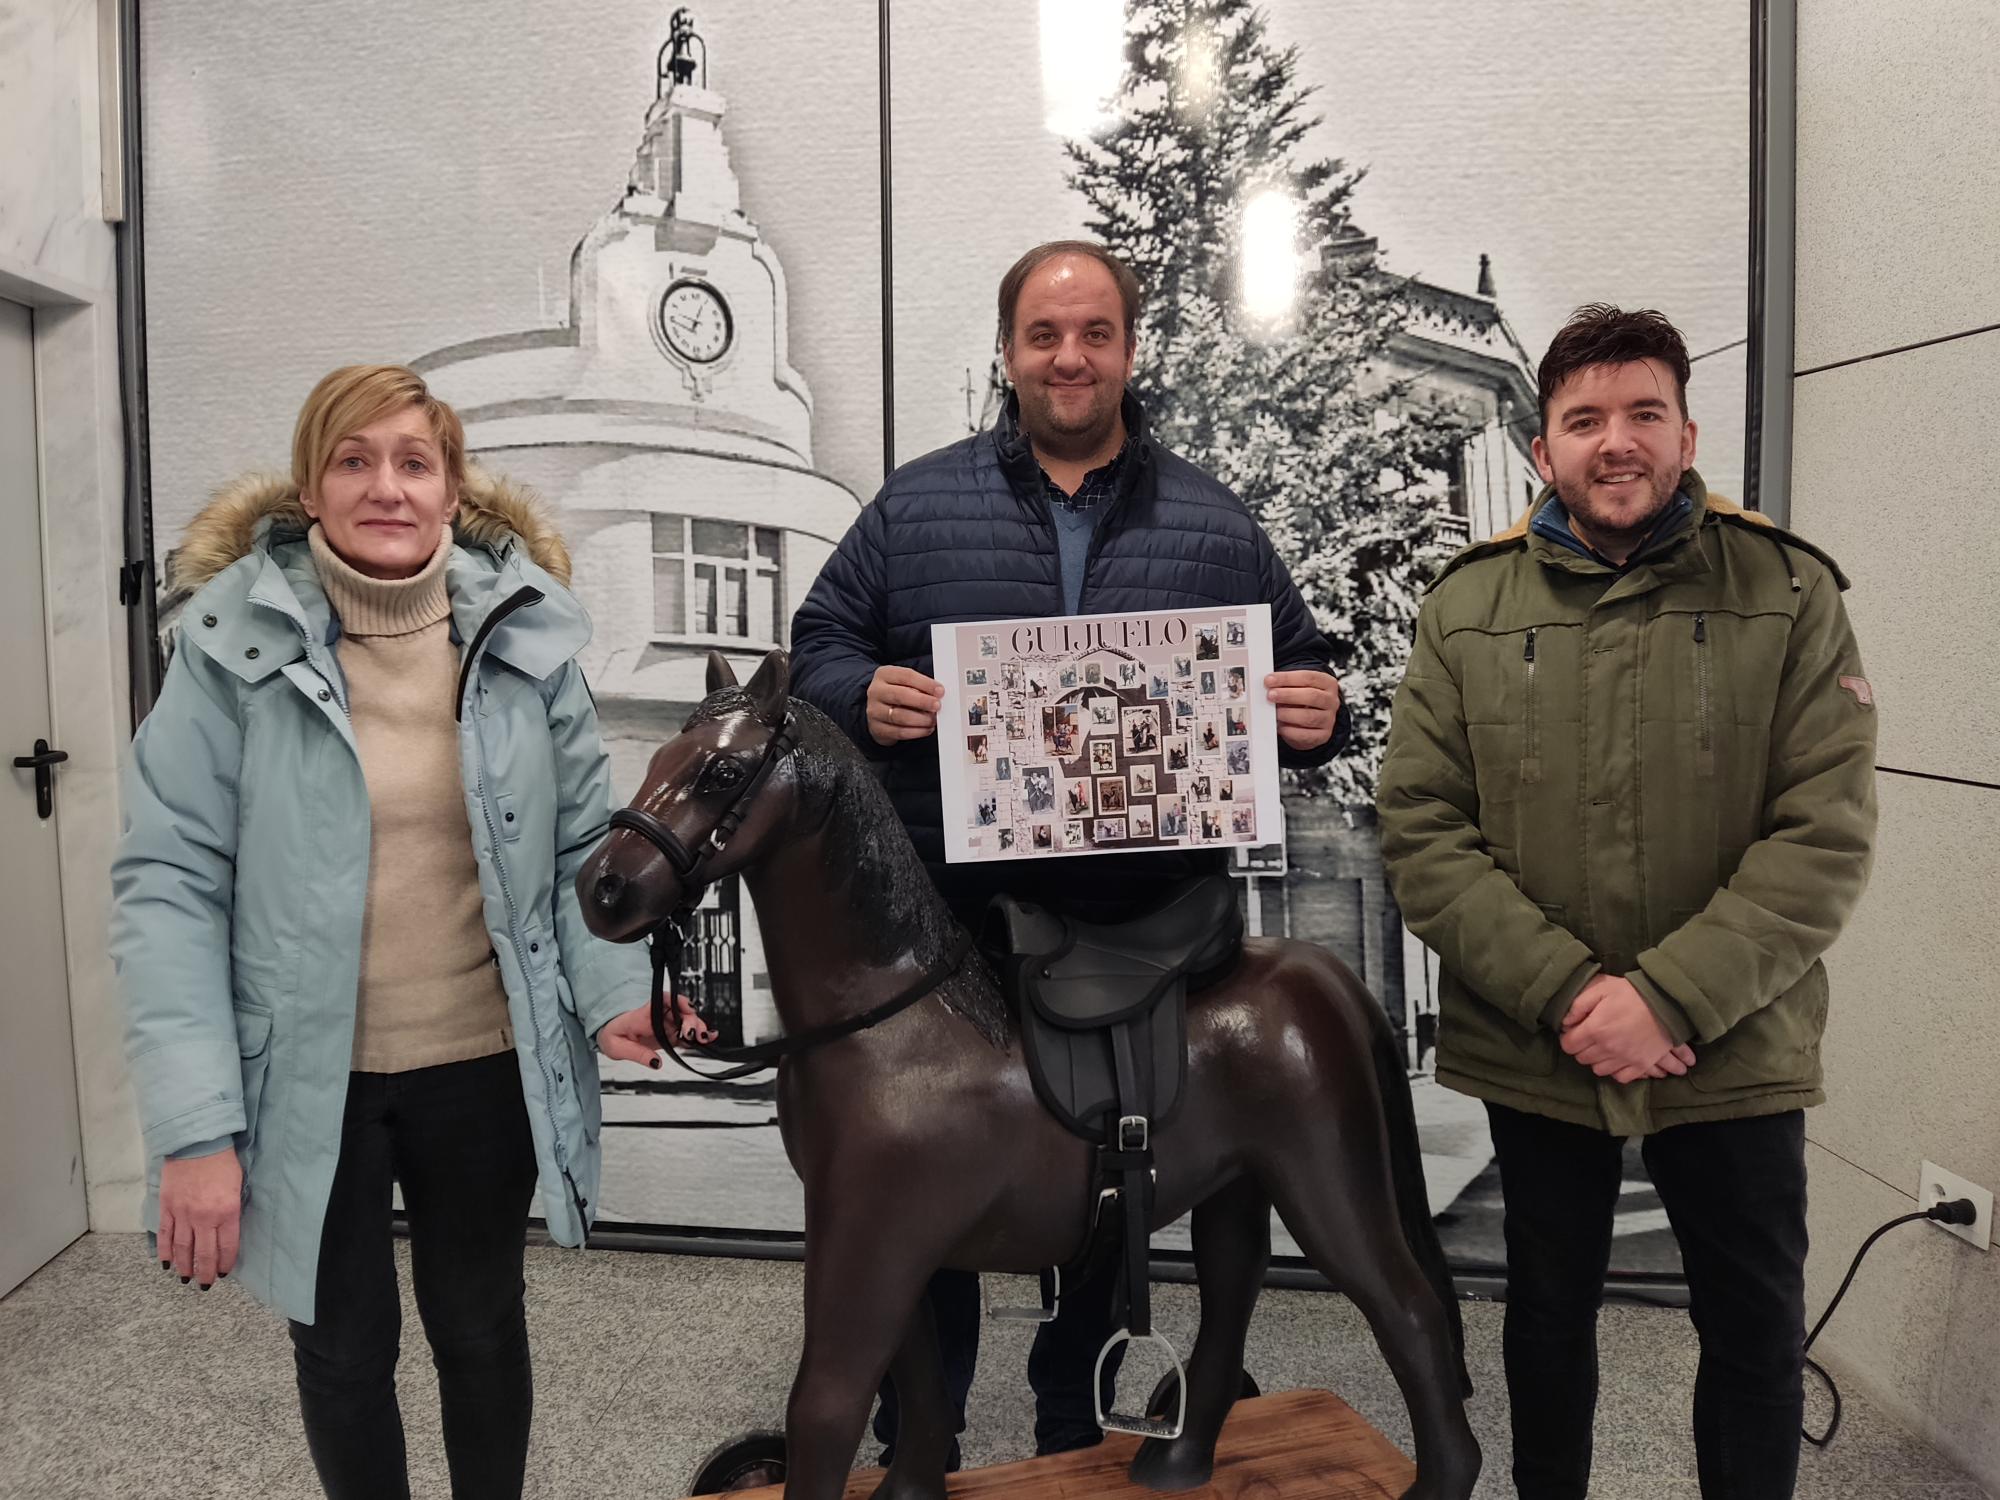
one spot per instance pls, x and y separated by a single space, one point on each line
720 673
770 687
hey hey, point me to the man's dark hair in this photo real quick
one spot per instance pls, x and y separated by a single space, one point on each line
1018 274
1599 334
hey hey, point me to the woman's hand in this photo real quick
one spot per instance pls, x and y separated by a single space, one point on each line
201 1212
629 1037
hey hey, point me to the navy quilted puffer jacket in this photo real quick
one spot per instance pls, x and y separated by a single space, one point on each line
965 534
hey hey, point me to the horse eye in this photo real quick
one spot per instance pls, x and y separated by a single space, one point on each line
724 774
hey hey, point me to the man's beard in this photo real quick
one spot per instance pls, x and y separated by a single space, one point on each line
1617 528
1072 432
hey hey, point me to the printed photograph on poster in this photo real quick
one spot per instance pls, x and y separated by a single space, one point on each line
1094 738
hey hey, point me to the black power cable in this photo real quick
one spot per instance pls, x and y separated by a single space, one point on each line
1952 1211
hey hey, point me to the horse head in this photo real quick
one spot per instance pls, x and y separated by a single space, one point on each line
712 799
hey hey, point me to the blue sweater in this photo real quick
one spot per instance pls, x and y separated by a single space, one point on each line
1074 530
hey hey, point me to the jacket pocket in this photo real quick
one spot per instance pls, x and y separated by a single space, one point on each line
253 1046
1772 1050
506 817
578 1067
1480 1040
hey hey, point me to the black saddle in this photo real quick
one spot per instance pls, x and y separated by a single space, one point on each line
1103 1017
1086 993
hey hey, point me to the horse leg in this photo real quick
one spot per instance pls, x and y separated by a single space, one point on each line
925 1422
863 1285
1232 1246
1332 1190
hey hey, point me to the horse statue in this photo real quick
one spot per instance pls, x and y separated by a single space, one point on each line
908 1111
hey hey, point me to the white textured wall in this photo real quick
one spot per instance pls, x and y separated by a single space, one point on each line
1898 219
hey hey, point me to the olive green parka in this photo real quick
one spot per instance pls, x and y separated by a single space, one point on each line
1664 772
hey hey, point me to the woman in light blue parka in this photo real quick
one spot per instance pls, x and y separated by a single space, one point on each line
345 926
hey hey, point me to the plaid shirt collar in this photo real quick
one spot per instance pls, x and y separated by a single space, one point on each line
1099 485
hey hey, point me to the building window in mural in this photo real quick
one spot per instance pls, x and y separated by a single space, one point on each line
718 579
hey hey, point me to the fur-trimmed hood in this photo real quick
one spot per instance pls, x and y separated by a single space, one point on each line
493 512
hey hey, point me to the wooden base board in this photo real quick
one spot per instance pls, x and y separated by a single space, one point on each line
1297 1445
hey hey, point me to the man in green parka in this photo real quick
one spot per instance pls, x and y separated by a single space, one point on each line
1628 799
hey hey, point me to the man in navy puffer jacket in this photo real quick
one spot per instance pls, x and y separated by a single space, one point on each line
1066 507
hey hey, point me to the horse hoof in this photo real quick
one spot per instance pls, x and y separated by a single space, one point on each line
1450 1476
1168 1393
747 1462
1176 1465
902 1487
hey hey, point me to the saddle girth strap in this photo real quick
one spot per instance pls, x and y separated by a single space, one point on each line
1129 1155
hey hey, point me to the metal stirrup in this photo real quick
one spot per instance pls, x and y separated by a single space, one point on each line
1051 1280
1143 1425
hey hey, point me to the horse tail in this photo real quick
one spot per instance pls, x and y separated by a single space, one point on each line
1406 1171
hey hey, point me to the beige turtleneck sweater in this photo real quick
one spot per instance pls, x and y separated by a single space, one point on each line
430 990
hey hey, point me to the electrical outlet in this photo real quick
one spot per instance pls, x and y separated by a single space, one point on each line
1936 1185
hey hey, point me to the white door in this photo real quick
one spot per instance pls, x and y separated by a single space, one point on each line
41 1148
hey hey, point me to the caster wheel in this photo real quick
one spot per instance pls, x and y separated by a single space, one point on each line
742 1463
1166 1395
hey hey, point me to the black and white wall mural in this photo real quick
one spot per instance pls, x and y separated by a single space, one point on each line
643 253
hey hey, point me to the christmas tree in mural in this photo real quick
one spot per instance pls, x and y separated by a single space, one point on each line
1203 182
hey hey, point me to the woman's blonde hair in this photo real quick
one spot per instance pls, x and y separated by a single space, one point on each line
354 397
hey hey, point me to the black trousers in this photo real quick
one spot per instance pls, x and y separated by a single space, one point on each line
1735 1193
1059 1364
457 1138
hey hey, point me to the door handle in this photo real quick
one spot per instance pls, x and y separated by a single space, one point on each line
45 785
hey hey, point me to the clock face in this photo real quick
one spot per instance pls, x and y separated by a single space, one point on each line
695 321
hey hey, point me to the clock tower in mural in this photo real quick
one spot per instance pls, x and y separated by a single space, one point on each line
665 424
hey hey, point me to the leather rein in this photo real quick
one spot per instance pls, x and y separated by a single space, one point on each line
671 934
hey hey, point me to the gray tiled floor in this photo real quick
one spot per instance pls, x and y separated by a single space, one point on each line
117 1381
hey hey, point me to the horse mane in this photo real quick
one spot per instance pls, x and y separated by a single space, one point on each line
896 909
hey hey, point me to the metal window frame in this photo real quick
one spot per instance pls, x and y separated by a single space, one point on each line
1767 417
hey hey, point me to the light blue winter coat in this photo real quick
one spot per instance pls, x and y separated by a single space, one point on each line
241 878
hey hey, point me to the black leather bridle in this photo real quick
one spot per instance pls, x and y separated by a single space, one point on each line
669 936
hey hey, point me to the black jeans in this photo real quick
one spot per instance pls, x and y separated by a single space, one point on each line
456 1137
1059 1365
1735 1193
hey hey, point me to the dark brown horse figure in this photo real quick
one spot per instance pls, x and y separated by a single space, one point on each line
921 1143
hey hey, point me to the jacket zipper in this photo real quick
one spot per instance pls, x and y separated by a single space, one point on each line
1531 760
519 600
1705 737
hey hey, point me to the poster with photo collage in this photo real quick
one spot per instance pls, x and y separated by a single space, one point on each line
1095 734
